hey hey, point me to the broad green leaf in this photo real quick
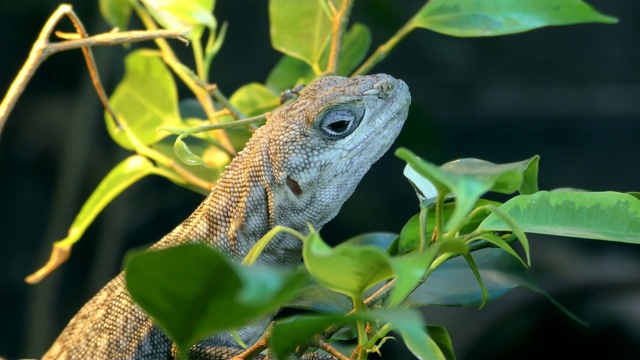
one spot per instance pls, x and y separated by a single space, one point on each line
178 14
591 215
192 291
254 99
145 99
504 178
347 269
291 332
380 240
288 73
469 18
116 12
123 175
321 299
453 283
410 269
300 29
440 336
468 179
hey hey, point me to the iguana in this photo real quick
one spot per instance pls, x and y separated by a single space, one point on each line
297 169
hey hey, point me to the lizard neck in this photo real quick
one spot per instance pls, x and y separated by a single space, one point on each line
242 208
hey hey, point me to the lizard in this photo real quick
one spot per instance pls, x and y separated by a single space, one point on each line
297 169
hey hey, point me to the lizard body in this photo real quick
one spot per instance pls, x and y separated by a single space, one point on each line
296 169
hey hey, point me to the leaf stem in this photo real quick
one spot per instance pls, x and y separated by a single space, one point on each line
440 215
361 349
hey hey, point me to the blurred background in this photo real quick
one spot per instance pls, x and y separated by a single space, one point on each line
569 94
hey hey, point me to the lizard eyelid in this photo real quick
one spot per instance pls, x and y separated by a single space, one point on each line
340 123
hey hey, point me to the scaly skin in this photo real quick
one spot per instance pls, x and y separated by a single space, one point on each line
299 168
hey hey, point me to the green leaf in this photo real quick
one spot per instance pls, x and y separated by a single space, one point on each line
355 46
214 158
178 14
410 233
454 284
288 73
116 12
468 179
321 299
123 175
380 240
192 291
119 178
440 336
145 99
299 29
254 99
469 18
290 332
409 323
347 269
591 215
185 154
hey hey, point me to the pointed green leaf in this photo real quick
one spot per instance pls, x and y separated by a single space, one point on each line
214 158
440 336
254 99
300 29
347 269
178 14
145 99
500 17
186 155
591 215
116 12
409 323
192 291
468 179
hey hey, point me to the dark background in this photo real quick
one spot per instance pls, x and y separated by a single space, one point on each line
570 94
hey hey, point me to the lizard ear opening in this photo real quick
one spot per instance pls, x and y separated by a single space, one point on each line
293 186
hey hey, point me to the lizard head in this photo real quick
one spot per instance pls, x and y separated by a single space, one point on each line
322 144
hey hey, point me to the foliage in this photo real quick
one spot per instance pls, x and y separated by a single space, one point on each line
460 249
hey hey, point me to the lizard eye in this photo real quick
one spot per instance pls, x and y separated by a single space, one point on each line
339 124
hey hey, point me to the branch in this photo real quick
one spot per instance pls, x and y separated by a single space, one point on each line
42 49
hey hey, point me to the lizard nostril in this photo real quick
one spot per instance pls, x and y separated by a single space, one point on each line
385 88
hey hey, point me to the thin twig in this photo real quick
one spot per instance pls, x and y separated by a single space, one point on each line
42 49
331 350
